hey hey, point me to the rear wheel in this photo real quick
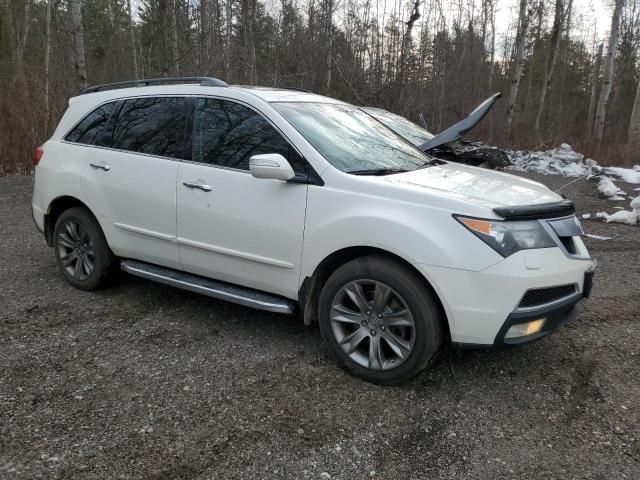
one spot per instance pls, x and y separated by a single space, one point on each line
82 253
379 319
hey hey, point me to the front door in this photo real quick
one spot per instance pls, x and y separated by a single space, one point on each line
232 226
130 183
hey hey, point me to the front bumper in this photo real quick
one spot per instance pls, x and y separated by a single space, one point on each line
481 306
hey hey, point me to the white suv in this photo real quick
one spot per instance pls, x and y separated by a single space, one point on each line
287 201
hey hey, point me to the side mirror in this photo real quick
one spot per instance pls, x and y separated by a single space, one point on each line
271 166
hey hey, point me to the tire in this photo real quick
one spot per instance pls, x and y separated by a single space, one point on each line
81 251
364 303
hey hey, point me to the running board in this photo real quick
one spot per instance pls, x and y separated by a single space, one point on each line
212 288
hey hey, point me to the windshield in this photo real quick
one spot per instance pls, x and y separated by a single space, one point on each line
350 139
403 127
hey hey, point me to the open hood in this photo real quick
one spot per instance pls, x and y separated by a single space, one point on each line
457 130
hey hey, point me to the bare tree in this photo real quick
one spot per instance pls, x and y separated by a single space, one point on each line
493 45
407 42
132 41
227 38
47 60
633 139
22 41
595 73
77 33
329 6
551 63
173 27
601 110
521 38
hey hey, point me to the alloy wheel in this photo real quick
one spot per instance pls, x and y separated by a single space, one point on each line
76 250
372 324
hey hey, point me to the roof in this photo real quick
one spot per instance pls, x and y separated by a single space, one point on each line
273 94
203 85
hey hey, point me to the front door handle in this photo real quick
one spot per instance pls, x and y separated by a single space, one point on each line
198 184
101 166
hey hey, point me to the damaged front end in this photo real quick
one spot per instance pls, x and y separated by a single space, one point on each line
476 154
448 145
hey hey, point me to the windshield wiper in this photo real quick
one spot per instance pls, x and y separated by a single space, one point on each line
379 171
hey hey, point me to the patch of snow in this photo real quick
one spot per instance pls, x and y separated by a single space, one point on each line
621 216
609 189
635 204
557 161
629 175
586 215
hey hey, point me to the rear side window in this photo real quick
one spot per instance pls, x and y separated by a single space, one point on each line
89 130
155 126
227 134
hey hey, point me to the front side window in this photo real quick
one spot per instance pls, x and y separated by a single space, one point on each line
155 126
350 139
89 130
227 134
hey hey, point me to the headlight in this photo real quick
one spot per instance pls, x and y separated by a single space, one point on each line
507 238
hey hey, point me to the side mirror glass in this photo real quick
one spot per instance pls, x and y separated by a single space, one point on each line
271 166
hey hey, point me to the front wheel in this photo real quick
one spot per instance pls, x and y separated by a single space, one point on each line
380 320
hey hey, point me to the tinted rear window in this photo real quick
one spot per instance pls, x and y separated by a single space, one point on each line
89 130
155 126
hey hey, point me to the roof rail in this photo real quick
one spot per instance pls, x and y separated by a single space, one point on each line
204 81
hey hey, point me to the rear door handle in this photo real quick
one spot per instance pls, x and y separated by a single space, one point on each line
199 184
101 166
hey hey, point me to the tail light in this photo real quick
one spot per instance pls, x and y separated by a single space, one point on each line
38 155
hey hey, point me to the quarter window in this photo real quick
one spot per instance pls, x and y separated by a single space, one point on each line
155 126
227 134
89 130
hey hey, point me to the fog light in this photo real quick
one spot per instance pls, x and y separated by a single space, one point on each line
524 329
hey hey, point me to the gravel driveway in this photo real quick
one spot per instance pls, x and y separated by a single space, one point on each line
142 381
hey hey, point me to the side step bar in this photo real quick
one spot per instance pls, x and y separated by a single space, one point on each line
212 288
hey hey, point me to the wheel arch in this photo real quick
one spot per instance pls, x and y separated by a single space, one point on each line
56 207
312 286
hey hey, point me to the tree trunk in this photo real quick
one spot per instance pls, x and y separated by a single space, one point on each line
407 42
493 47
47 60
22 42
595 73
551 63
204 36
173 26
77 33
601 110
132 41
521 37
227 42
633 139
328 45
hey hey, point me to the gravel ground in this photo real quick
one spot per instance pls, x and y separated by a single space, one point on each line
142 381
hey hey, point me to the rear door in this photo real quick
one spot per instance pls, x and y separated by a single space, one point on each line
130 183
232 226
